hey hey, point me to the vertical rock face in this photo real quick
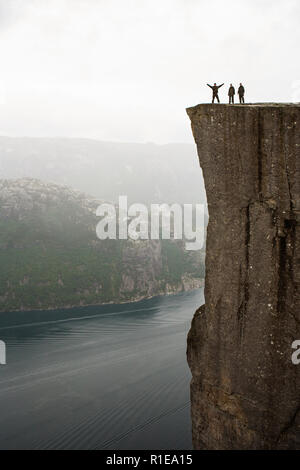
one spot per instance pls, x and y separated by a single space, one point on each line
245 390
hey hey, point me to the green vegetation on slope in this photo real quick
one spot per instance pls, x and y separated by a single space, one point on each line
50 256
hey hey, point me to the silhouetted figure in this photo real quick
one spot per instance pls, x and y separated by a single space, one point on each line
215 89
241 92
231 93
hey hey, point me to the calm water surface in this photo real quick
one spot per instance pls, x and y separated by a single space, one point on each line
109 377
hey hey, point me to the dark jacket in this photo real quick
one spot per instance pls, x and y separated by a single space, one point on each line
241 90
231 91
215 88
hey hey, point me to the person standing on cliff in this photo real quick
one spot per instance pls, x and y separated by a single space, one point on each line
231 93
241 92
215 89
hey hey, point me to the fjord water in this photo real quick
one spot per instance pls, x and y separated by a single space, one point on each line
109 377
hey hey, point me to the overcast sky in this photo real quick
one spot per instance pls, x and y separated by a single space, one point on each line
125 70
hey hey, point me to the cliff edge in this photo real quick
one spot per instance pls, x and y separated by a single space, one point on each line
245 390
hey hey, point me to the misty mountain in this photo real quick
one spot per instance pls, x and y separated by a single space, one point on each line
50 255
146 173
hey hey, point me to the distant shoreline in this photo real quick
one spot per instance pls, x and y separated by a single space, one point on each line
199 285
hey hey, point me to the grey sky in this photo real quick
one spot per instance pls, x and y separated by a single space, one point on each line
125 70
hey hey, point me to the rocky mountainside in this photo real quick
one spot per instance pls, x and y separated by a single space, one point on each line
50 255
245 388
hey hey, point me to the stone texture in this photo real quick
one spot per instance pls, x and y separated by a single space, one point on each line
245 389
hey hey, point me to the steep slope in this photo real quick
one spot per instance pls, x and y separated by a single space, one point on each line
50 255
245 389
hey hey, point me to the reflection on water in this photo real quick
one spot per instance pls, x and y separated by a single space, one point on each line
109 377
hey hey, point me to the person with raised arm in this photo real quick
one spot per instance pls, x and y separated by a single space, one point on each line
215 90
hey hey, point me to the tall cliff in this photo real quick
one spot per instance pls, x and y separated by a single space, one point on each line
245 390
